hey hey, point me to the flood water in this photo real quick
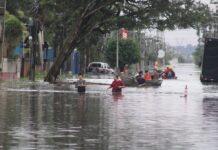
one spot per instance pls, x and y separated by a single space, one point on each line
41 116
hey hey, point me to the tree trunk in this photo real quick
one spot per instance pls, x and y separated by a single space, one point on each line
54 71
68 46
81 30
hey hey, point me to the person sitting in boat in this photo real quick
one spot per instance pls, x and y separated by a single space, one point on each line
168 74
81 84
117 85
125 69
171 74
147 75
164 74
155 74
139 78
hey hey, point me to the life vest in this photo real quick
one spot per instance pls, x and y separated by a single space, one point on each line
147 76
115 85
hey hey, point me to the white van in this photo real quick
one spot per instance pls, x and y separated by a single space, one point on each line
99 67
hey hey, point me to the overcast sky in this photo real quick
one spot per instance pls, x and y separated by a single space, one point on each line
186 36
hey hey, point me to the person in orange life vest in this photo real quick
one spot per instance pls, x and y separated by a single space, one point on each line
117 85
147 75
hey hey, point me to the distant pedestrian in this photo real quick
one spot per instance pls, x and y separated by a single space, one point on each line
81 84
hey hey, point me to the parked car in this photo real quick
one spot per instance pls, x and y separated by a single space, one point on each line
99 67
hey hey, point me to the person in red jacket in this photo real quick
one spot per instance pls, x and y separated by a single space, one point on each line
147 75
117 85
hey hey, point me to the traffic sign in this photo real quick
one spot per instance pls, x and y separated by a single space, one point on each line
161 53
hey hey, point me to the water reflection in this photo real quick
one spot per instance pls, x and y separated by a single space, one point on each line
36 120
117 96
210 108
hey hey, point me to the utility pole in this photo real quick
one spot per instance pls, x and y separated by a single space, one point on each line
33 27
117 52
22 58
2 27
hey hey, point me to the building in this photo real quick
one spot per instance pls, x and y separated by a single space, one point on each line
211 30
9 69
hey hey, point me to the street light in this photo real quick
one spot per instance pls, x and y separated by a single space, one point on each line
2 17
117 49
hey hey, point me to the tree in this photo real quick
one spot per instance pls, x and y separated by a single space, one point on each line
91 49
81 18
129 52
150 56
181 59
13 33
198 55
102 16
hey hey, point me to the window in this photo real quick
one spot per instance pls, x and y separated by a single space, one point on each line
95 65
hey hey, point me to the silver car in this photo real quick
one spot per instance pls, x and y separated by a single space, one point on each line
99 67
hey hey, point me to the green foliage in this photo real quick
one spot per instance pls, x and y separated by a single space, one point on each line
198 55
13 32
104 15
84 17
13 28
69 22
150 57
91 49
181 59
129 52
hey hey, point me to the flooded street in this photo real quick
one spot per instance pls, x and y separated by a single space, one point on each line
52 117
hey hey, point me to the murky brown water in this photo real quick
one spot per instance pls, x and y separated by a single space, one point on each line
53 117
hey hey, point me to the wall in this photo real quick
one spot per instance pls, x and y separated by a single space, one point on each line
10 69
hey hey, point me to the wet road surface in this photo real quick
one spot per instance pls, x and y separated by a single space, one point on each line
52 117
